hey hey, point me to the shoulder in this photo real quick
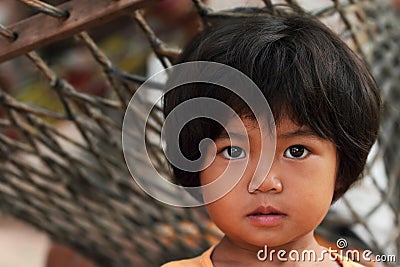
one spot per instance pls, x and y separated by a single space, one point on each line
349 263
204 260
345 262
193 262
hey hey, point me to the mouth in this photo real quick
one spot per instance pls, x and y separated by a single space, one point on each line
266 216
265 210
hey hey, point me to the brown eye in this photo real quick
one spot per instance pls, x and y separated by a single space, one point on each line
233 152
296 152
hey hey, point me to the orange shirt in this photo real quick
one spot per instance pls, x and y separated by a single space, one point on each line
204 260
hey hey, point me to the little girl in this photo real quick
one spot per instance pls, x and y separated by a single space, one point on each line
326 109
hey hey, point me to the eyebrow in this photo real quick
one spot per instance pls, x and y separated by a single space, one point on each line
228 135
295 133
299 132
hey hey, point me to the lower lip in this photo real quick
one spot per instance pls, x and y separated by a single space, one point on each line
266 220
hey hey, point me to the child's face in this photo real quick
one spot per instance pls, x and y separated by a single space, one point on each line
298 188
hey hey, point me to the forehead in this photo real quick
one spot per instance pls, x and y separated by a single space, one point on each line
285 125
242 126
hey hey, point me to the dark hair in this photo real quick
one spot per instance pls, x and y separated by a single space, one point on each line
304 70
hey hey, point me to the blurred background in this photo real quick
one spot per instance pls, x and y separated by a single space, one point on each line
56 123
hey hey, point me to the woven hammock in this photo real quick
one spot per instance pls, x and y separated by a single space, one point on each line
62 168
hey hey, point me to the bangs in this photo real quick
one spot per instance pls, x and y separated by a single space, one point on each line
293 86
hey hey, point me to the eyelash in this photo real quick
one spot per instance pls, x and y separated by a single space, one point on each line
286 154
305 150
225 154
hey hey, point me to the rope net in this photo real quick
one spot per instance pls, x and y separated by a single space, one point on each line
61 109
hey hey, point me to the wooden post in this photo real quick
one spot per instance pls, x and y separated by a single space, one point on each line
41 29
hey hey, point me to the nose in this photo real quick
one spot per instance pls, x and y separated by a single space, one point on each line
266 181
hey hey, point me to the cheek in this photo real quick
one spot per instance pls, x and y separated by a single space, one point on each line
211 173
218 212
227 213
312 189
215 168
310 203
220 169
219 181
320 186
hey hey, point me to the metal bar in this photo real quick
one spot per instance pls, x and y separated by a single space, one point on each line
40 30
46 8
